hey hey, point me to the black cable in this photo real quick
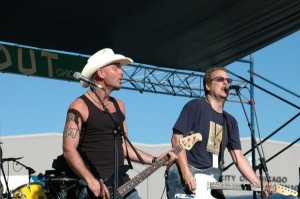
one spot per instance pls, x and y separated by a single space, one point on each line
163 192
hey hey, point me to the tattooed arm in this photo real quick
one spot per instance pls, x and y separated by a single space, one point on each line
77 114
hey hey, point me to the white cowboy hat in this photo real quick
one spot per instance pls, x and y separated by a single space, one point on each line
100 59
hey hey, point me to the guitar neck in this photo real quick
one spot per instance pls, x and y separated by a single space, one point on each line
248 187
128 186
234 186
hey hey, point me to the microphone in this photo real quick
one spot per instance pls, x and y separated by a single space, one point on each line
78 76
232 86
11 159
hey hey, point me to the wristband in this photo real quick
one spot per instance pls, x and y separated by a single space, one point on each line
154 159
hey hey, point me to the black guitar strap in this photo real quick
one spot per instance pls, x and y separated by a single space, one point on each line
118 126
223 144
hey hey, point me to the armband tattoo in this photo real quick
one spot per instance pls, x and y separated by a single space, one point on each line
74 115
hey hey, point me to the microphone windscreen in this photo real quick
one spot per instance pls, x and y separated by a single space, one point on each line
76 75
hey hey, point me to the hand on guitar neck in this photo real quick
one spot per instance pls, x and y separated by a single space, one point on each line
267 189
170 158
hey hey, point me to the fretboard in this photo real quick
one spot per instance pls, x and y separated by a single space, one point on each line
128 186
248 187
233 186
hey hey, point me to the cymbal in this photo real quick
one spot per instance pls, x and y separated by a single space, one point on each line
62 179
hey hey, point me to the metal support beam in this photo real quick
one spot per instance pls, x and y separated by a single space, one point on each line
146 78
151 79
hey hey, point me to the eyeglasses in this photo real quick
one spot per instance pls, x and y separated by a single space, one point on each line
222 79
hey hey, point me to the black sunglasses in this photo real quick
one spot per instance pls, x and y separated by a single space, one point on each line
222 79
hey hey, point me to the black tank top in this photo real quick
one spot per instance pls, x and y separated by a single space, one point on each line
96 145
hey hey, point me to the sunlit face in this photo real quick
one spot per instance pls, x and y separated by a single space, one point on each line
217 84
113 75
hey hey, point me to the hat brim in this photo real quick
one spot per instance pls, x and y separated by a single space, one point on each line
91 67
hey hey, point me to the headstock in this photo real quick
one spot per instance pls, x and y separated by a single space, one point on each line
284 190
189 141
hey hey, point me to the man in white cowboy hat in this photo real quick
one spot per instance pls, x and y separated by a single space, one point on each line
88 141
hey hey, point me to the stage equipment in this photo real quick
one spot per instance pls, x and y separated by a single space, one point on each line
31 190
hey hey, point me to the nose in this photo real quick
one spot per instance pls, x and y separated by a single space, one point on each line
121 71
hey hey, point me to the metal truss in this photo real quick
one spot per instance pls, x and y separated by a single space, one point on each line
144 78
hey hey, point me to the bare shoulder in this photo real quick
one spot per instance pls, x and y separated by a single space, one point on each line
80 106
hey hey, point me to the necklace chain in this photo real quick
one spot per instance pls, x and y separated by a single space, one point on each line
97 100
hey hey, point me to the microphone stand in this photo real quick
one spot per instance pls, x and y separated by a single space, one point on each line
262 165
5 180
6 183
119 130
30 170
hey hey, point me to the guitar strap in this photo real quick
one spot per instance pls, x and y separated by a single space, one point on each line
223 143
119 127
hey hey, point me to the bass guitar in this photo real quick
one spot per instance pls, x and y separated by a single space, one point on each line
206 180
124 188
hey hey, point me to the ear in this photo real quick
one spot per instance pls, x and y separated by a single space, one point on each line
207 86
100 73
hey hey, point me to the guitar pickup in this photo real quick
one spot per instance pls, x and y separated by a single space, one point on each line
185 196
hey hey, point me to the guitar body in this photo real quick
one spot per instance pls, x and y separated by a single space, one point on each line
203 189
208 186
176 188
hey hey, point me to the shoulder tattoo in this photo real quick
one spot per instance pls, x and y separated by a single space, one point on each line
72 115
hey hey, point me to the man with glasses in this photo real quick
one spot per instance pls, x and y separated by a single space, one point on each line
219 130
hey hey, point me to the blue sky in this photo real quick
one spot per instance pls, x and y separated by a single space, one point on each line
30 105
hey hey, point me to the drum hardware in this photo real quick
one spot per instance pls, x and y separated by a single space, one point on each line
30 172
3 173
58 185
7 195
50 187
61 180
64 191
11 159
1 189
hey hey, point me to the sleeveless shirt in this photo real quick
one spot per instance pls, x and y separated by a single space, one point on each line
96 144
